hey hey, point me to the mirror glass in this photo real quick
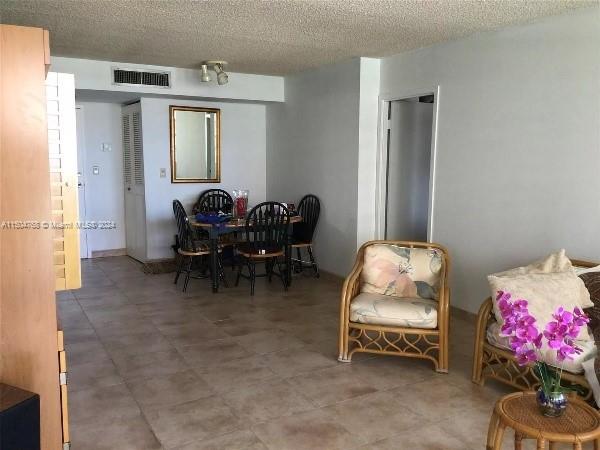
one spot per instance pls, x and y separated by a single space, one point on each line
195 144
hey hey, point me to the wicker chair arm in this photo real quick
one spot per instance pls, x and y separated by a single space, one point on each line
352 281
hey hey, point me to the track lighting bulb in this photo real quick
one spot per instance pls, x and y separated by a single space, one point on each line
205 77
222 77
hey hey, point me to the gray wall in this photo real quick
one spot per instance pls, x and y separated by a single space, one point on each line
104 192
243 153
312 147
518 158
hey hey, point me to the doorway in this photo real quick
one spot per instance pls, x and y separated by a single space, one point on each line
83 235
407 166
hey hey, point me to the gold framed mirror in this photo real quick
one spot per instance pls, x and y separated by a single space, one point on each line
195 135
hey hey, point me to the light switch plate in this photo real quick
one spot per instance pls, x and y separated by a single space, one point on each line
163 172
96 170
106 147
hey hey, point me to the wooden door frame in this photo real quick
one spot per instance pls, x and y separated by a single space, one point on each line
382 151
83 219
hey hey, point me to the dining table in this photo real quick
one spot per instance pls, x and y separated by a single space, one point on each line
231 226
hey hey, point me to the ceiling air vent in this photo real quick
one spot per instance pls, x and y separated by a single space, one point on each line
141 77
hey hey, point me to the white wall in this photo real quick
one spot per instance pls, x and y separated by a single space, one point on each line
96 76
104 192
312 147
518 144
368 115
243 165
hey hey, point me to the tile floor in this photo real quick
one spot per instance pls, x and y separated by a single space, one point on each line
153 368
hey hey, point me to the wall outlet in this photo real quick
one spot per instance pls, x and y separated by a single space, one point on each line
96 170
163 172
106 147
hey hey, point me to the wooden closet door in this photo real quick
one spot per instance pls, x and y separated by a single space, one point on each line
28 341
62 150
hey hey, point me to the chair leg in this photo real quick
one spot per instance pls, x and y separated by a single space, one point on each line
298 264
313 262
239 274
221 270
187 274
252 269
269 268
283 277
179 268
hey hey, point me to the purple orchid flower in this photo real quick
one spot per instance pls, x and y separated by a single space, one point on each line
559 333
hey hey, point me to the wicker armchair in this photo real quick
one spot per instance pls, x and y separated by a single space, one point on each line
490 361
376 336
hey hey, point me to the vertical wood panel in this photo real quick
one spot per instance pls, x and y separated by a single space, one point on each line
27 299
62 149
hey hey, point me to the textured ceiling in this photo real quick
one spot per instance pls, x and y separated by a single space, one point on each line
263 36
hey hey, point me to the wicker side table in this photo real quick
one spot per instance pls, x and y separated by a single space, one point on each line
579 423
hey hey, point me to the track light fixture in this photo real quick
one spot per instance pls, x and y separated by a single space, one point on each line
217 67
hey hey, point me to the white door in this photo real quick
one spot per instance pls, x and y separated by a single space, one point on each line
133 177
83 236
408 170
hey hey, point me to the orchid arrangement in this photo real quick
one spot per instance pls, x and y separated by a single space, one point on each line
526 340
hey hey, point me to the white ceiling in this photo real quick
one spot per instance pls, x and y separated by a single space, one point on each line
263 36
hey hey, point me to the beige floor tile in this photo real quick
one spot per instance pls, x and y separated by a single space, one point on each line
265 401
238 440
124 327
266 358
192 333
134 433
107 403
295 362
78 335
91 351
149 365
429 437
309 430
332 385
237 374
376 416
269 341
387 372
136 344
167 390
438 398
92 375
187 422
210 353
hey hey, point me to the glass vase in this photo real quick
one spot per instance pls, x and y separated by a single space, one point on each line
240 203
551 404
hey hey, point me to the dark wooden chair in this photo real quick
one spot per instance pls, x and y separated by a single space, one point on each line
189 248
213 200
265 241
309 209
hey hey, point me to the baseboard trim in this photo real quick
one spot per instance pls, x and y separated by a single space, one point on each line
110 252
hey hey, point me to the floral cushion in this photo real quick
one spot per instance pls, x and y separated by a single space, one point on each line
380 309
401 271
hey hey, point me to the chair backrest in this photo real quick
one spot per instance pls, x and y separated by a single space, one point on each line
267 226
185 236
309 209
404 269
213 200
